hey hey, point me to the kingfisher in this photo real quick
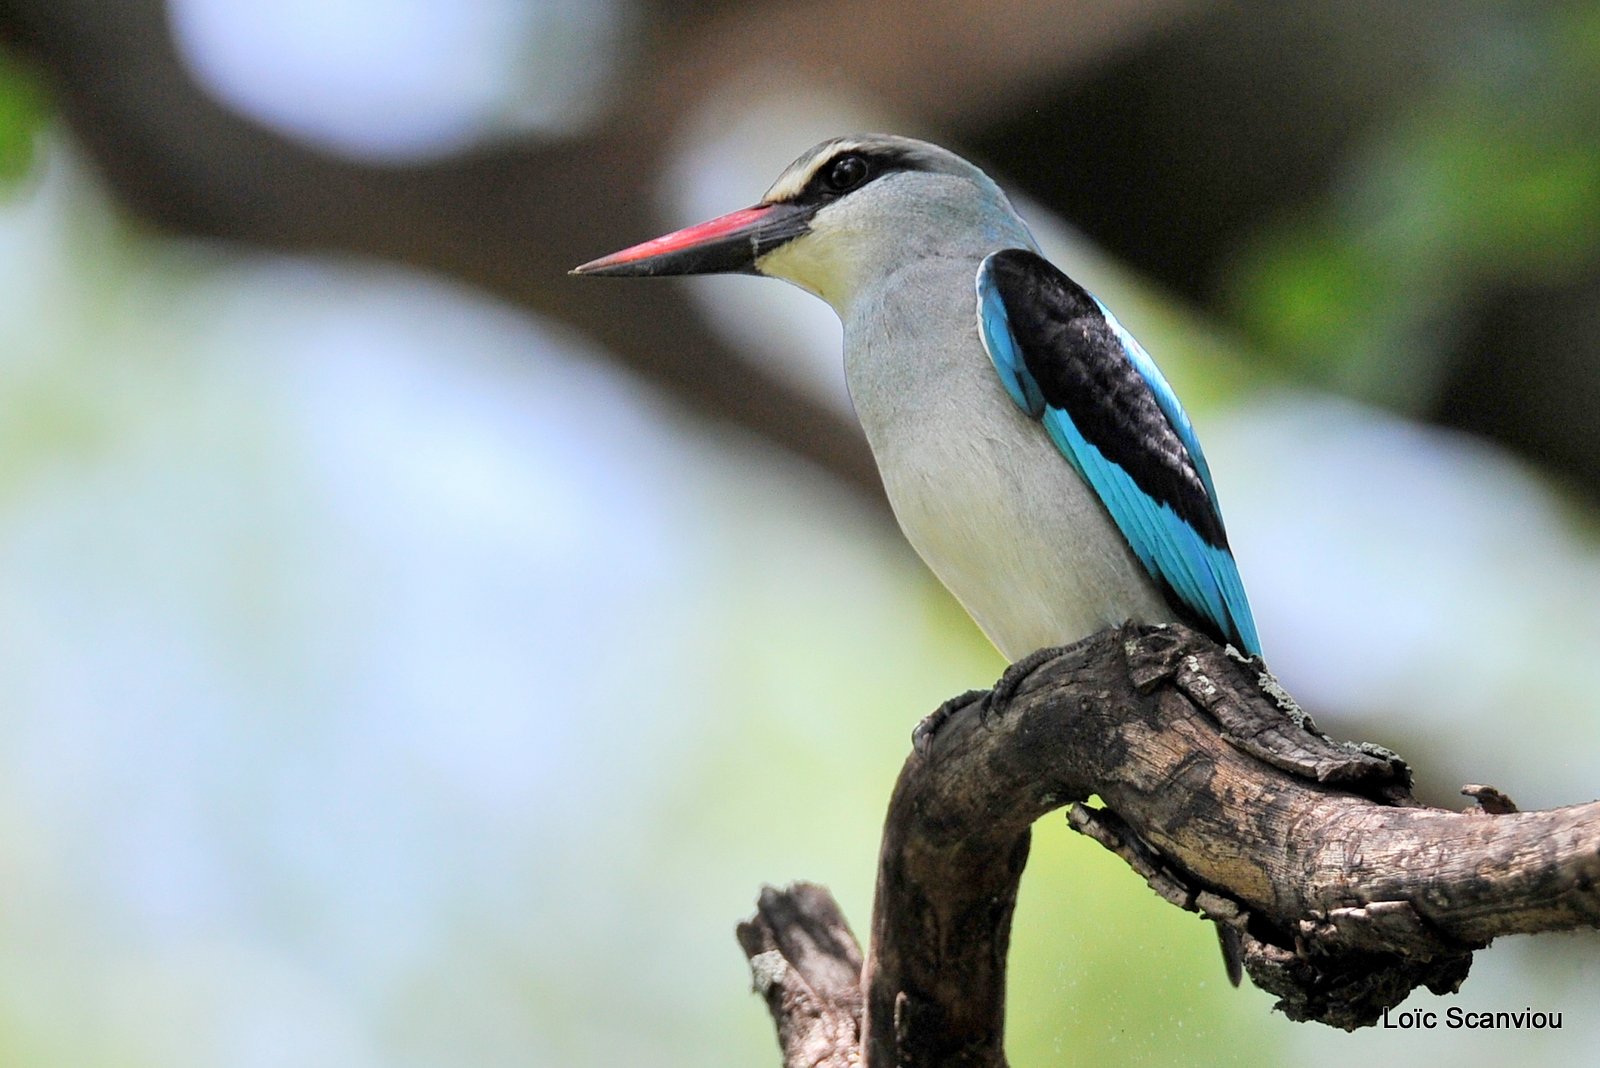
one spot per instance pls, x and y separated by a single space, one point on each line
1033 454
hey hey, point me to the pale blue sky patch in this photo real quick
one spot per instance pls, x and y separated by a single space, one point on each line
402 79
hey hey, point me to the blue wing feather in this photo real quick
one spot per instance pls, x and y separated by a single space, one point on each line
1201 575
1001 344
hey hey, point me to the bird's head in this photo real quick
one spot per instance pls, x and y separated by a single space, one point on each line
847 211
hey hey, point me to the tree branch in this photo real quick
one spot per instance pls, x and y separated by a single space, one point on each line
806 963
1346 892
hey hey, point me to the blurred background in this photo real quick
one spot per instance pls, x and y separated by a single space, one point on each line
411 655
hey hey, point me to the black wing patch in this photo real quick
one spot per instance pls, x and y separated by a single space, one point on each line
1082 367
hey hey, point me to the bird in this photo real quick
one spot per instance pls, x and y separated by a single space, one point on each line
1032 452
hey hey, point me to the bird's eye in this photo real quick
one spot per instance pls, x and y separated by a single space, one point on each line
845 173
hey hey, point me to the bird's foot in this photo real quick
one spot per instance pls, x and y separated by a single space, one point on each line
988 701
1005 690
922 735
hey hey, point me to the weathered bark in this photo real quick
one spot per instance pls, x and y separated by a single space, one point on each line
1347 893
806 963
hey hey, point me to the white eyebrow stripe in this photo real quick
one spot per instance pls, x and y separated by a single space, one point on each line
794 180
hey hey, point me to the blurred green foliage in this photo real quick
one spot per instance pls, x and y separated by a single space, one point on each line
1492 177
1105 972
23 109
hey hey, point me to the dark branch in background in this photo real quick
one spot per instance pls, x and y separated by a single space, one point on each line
510 221
513 220
1346 892
1070 99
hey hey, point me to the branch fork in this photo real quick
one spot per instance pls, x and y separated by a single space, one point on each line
1345 892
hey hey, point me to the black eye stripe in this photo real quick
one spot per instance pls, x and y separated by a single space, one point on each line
839 175
847 171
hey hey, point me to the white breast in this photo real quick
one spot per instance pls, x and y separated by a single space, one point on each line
979 489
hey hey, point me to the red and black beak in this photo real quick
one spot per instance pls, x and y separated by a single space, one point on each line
728 244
